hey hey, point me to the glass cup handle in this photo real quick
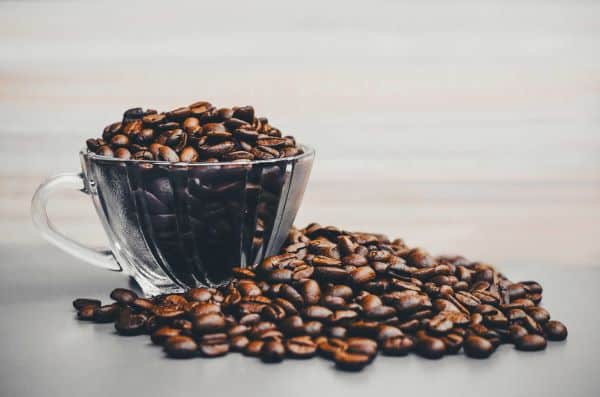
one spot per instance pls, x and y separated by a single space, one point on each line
101 258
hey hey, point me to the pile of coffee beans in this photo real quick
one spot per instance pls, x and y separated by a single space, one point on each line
196 133
344 296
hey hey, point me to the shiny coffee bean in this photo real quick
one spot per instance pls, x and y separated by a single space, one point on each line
82 302
531 342
124 296
180 347
555 330
478 347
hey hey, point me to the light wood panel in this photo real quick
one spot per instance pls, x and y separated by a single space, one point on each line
470 126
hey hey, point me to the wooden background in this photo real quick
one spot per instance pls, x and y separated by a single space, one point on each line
463 126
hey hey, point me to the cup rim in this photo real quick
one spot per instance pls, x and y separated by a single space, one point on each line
308 151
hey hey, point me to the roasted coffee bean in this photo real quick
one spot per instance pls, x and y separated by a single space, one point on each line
86 313
311 292
300 347
163 333
540 315
337 332
313 328
363 275
531 342
180 347
167 312
430 347
123 295
82 302
397 346
272 351
517 331
106 314
254 348
329 347
144 304
478 347
130 324
209 323
350 361
555 330
239 343
453 341
198 294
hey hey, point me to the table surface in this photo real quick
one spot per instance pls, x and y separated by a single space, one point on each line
46 352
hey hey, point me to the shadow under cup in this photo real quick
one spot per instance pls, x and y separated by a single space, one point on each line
178 225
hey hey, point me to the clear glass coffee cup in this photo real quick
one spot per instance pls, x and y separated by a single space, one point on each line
173 226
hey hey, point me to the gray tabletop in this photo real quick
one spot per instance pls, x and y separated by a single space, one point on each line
46 352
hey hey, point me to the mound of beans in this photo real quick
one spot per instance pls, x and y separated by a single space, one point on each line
196 133
343 296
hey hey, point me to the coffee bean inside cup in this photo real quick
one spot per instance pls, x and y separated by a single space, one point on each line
199 132
344 296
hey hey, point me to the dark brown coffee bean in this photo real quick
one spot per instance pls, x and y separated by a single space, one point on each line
272 351
350 361
239 343
165 153
397 346
250 319
478 347
80 303
167 312
555 330
313 328
254 348
331 274
86 313
517 331
337 332
380 312
188 154
209 323
361 345
329 347
430 347
106 314
123 295
453 341
198 294
129 324
301 347
310 291
143 304
273 312
163 333
531 342
388 331
180 347
214 348
316 312
363 275
540 315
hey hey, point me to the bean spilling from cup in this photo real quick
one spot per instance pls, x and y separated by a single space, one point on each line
199 132
344 296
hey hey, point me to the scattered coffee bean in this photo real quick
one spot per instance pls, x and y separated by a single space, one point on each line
344 295
181 347
478 347
555 330
531 342
82 302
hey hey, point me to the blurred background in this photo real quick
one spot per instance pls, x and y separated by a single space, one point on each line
466 127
